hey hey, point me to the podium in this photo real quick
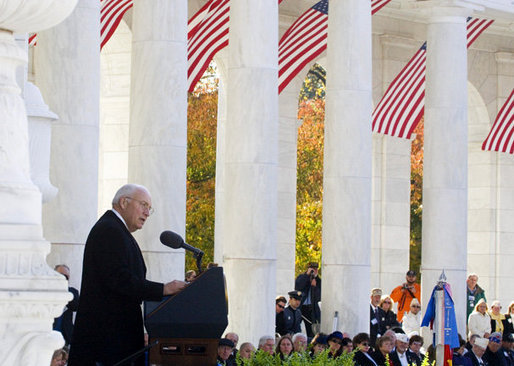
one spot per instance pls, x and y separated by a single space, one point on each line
189 324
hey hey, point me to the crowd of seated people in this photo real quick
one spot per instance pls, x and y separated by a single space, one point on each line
391 340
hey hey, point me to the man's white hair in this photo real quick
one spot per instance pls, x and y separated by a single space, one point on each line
263 339
299 335
126 191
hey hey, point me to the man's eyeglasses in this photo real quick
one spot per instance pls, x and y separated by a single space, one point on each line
415 306
145 205
281 306
365 344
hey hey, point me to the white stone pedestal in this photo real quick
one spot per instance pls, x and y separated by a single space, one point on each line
31 293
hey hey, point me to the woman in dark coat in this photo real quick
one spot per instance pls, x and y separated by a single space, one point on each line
389 321
384 347
362 357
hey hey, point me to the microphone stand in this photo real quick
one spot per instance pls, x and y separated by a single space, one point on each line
134 355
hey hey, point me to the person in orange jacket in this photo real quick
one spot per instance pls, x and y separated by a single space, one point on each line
403 294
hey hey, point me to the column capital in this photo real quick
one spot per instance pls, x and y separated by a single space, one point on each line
443 11
504 57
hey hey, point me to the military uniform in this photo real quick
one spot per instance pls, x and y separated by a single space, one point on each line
288 321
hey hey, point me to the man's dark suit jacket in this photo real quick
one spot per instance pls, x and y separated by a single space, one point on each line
64 323
109 322
474 359
411 358
378 327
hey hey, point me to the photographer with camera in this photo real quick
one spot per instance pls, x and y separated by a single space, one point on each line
403 294
309 284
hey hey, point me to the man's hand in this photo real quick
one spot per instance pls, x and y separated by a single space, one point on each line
173 287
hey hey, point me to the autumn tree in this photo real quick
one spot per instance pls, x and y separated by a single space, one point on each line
309 197
201 170
416 197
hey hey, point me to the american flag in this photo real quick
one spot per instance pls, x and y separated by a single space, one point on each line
207 34
403 104
111 13
501 136
306 39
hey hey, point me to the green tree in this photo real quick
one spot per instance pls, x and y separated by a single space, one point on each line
416 198
309 195
201 172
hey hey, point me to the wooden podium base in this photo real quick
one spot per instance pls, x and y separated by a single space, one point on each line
184 352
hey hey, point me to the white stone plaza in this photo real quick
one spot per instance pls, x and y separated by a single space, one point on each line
77 123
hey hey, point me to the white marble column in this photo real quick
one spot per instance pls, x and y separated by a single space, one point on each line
221 63
31 294
391 174
287 157
347 168
251 156
390 211
67 67
445 170
158 126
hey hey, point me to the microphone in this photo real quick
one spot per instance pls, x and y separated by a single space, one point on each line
175 241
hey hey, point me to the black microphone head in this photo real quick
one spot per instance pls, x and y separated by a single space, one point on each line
171 239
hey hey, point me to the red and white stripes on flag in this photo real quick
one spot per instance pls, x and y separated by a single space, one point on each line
207 34
111 13
32 39
306 39
501 136
403 104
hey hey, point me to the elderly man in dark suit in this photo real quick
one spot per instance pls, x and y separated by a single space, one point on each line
109 322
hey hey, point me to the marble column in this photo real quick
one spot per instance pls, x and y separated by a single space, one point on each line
31 293
391 174
221 60
287 154
251 156
445 170
158 126
67 67
390 211
347 168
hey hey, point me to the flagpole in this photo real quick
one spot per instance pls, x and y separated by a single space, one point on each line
439 320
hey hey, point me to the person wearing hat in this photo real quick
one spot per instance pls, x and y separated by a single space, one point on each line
507 349
225 347
492 354
309 284
477 351
288 321
479 321
403 294
335 344
377 316
412 320
318 344
401 356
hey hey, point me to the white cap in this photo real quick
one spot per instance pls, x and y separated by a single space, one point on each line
402 337
481 342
